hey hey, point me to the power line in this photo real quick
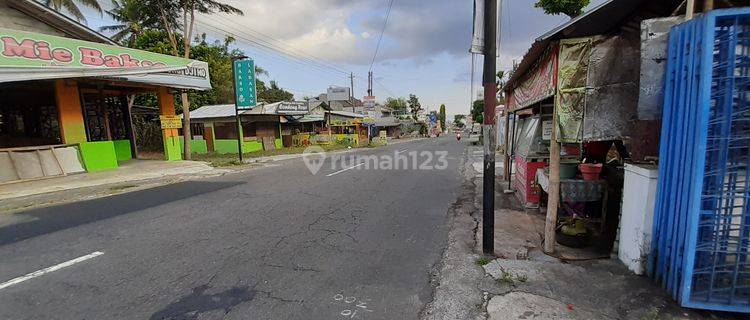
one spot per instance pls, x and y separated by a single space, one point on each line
241 34
274 52
382 31
282 46
384 88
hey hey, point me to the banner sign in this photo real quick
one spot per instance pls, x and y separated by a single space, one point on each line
292 108
170 122
244 82
35 56
369 102
538 84
338 94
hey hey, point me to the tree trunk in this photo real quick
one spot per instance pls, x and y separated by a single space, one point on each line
184 96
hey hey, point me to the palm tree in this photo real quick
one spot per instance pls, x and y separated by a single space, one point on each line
134 17
72 7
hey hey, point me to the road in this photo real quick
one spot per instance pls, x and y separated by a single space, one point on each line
271 243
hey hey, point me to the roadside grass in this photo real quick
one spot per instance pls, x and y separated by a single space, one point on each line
231 159
122 187
483 261
511 279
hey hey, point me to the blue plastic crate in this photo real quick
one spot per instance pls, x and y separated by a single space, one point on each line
701 235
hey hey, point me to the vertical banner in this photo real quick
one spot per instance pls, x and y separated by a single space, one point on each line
244 83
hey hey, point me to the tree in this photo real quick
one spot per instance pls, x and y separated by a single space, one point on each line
477 111
273 93
441 116
133 17
72 7
458 120
218 55
570 8
414 106
187 9
398 105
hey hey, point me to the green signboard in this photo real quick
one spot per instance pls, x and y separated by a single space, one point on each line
244 84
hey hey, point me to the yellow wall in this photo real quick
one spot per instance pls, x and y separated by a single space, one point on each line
68 101
172 149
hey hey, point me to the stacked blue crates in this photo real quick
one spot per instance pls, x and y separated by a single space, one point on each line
701 235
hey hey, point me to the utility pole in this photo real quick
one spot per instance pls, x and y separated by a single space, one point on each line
488 128
351 90
369 83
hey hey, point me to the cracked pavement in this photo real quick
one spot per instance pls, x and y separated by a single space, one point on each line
271 243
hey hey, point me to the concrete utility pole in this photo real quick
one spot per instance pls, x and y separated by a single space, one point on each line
369 83
351 90
488 129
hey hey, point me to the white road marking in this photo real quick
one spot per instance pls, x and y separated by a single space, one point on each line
48 270
344 170
402 151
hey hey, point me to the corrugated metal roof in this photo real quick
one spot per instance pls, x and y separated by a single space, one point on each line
346 114
600 20
215 111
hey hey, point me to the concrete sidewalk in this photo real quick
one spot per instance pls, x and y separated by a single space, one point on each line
526 283
134 170
130 176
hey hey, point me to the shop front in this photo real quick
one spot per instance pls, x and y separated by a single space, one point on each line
66 103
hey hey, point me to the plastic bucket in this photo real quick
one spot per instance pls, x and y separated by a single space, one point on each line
590 171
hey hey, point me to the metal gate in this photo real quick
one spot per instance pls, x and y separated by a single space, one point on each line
701 235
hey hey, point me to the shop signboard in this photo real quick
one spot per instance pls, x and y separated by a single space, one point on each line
292 108
369 102
338 94
170 122
244 84
35 56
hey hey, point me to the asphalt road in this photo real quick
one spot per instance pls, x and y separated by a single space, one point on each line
272 243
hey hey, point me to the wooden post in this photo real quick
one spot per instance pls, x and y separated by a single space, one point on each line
506 146
708 5
553 199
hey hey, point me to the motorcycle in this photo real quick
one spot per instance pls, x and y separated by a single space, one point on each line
458 137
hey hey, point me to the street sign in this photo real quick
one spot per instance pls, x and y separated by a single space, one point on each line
170 122
369 102
244 84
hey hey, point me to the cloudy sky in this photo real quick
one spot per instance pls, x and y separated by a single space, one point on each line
424 49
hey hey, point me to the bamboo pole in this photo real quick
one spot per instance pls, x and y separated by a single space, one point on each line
553 199
689 9
708 5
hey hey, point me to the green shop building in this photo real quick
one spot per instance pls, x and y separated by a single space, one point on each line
67 95
215 127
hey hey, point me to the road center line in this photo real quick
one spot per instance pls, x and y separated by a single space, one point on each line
49 269
402 151
344 170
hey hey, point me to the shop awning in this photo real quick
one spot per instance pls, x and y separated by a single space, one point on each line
34 56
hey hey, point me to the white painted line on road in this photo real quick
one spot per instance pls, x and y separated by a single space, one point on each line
48 270
344 170
402 151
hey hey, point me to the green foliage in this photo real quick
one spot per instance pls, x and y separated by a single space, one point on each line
273 93
398 105
477 111
458 120
571 8
71 6
219 56
483 261
441 117
414 107
133 19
